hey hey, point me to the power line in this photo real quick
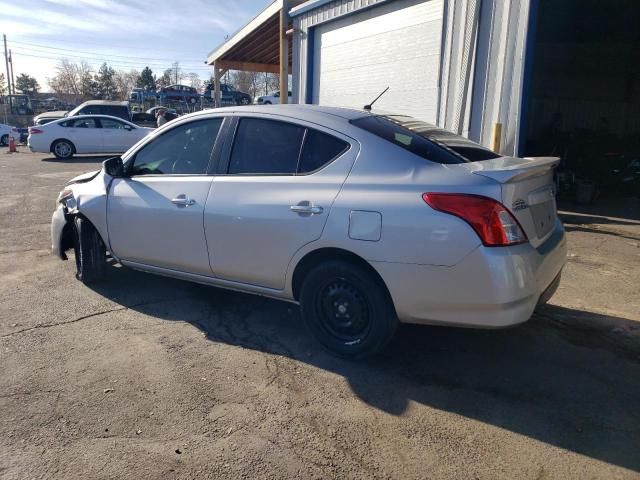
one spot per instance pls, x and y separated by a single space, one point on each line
114 64
96 53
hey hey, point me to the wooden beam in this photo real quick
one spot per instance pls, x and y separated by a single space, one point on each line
248 66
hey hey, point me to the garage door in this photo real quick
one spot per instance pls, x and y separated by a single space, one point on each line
397 44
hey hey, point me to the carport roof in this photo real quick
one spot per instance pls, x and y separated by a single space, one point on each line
255 47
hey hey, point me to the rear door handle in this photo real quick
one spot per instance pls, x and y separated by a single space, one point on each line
310 209
183 201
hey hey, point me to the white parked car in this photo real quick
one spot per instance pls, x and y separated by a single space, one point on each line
85 134
6 131
272 98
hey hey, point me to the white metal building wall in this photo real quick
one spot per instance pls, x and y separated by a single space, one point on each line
396 45
481 70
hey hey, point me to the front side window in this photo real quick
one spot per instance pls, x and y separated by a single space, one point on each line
84 123
183 150
266 147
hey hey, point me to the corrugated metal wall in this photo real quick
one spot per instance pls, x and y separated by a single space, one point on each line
482 63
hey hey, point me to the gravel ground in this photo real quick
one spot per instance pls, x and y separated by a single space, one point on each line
148 377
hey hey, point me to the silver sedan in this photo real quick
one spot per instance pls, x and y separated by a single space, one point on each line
365 220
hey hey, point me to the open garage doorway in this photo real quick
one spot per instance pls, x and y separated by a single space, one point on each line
582 98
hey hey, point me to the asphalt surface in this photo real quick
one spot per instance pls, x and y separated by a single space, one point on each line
148 377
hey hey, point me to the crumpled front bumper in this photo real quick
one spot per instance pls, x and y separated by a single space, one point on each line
58 222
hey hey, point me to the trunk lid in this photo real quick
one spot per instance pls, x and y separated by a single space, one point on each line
527 191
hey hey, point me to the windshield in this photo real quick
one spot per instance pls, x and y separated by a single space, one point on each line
424 139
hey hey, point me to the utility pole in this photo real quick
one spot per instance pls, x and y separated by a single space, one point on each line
284 52
175 67
13 82
6 61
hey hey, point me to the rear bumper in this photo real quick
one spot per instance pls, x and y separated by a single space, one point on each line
490 288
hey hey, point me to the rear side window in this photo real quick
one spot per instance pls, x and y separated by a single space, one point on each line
425 140
266 147
319 149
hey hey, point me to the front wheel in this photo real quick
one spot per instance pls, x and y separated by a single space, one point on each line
90 252
244 101
63 149
348 309
4 140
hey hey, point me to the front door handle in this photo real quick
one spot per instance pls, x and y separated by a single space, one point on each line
308 209
183 201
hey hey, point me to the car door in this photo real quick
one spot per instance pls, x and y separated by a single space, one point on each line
272 196
155 214
117 136
86 135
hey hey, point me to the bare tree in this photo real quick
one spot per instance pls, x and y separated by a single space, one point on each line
125 82
194 80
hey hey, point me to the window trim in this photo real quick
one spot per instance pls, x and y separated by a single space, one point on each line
225 159
214 156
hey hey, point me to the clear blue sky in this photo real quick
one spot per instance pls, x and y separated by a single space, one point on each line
126 34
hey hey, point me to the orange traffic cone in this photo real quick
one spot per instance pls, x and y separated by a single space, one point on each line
12 145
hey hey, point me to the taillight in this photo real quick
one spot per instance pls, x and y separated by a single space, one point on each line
33 131
493 223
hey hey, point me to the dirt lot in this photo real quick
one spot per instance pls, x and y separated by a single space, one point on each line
147 377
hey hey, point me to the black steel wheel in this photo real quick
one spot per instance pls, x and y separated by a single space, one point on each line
90 252
348 309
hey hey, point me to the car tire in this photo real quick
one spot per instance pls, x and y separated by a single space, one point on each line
63 149
267 103
244 101
348 309
4 140
90 252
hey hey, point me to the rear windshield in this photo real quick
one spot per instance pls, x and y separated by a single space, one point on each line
424 139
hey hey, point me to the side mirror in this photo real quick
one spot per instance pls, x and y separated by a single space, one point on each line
113 167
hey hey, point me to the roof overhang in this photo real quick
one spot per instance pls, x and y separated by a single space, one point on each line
255 47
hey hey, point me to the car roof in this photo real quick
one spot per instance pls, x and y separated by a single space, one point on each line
301 111
104 102
96 115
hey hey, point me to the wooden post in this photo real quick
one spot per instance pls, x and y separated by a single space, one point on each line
217 77
496 139
284 52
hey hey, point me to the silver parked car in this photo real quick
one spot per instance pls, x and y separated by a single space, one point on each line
365 220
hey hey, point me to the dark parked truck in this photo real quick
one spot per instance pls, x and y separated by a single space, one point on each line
228 95
178 93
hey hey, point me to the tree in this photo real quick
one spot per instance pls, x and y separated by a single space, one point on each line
146 80
106 88
27 84
3 87
125 82
194 80
166 79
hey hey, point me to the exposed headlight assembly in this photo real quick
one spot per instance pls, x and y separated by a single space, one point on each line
66 198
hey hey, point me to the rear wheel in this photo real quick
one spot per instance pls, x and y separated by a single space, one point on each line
347 309
244 101
63 149
4 140
90 252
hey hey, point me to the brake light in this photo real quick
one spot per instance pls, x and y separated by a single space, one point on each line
493 223
33 131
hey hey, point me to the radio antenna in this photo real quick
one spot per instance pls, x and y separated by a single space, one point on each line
368 107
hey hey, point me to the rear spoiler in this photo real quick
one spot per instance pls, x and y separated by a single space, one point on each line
511 169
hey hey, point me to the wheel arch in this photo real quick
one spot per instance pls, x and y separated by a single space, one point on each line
316 257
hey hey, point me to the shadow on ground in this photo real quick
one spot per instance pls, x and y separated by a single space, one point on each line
566 378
